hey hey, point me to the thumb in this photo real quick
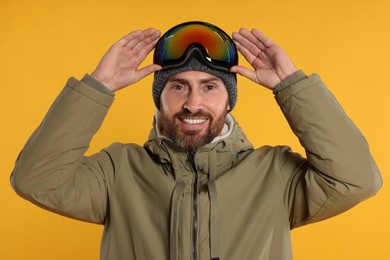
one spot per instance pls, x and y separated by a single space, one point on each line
145 71
243 71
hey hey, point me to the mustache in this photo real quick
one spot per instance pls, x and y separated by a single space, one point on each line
188 114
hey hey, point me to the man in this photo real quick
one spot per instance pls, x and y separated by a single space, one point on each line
197 189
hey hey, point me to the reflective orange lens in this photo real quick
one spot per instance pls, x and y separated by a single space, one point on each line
214 44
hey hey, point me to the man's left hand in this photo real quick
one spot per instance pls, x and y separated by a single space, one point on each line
270 63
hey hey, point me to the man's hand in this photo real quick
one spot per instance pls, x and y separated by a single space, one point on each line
119 66
270 63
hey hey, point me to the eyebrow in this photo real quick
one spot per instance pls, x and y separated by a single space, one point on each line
185 81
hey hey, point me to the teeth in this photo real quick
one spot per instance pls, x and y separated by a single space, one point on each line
193 121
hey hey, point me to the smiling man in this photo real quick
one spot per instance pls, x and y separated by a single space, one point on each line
194 105
197 189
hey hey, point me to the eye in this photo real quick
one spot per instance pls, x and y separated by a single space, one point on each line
178 87
210 87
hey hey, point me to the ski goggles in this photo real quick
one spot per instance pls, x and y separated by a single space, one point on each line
207 42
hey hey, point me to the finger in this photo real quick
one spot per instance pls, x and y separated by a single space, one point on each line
245 42
243 71
147 35
248 55
149 38
129 37
145 71
143 45
252 38
248 39
143 48
267 42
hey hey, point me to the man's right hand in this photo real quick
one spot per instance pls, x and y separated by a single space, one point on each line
119 66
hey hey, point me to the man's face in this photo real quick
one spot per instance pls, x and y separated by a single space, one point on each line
193 109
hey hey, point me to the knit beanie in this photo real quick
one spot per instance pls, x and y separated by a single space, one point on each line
161 77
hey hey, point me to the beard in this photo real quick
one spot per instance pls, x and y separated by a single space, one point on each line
191 140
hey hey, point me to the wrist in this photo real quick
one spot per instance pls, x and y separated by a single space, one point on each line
97 84
103 80
289 80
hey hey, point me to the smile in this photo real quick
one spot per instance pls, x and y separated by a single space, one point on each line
193 121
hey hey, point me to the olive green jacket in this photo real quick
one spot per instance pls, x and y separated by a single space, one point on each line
229 201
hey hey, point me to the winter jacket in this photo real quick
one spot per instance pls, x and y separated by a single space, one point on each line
229 201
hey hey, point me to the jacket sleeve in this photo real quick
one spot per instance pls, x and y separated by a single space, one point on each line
52 172
339 171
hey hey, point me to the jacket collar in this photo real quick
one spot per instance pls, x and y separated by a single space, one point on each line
214 158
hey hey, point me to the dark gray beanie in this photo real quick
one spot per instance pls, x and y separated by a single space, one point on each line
161 77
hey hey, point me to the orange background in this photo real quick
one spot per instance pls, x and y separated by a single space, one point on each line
45 42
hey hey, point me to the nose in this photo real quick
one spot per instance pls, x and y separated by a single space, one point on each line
194 102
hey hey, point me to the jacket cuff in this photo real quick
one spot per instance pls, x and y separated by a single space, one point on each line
92 82
88 89
289 81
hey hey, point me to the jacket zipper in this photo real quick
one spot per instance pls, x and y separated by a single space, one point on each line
194 208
